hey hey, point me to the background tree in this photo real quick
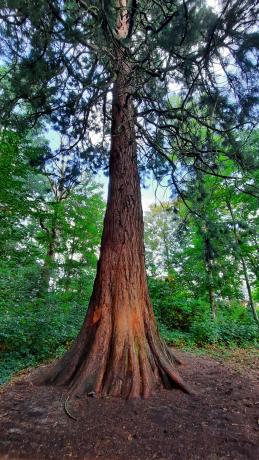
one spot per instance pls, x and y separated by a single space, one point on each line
32 210
34 329
201 215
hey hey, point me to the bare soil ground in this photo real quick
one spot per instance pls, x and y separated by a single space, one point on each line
220 422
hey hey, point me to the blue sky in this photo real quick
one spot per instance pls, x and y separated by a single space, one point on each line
152 193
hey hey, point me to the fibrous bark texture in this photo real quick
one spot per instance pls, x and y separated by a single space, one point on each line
118 351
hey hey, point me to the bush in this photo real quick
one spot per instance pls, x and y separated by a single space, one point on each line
224 333
176 310
176 338
36 332
210 333
185 321
40 330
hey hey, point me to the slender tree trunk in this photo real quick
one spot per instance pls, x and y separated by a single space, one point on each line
248 286
49 260
69 262
168 263
209 269
119 351
208 250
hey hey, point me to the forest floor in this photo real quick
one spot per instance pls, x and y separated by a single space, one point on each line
220 422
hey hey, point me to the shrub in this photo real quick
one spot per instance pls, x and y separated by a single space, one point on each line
176 310
36 332
175 337
40 330
224 333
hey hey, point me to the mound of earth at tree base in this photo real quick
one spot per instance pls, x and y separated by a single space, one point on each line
219 422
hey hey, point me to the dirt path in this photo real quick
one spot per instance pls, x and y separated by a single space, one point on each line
219 423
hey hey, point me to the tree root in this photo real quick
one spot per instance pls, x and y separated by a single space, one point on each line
66 410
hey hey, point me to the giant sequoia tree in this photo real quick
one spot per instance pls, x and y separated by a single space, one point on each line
107 67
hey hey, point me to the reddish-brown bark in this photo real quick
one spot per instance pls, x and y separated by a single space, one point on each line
119 351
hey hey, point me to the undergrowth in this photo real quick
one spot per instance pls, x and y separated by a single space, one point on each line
41 330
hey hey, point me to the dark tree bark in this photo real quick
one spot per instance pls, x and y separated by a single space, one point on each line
69 261
209 269
49 259
208 249
248 286
119 351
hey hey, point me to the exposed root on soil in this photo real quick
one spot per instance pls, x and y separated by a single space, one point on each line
66 410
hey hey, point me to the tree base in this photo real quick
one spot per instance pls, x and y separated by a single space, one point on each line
128 360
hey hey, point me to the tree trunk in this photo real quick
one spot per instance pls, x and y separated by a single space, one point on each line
237 238
208 250
209 269
248 287
168 263
69 262
49 260
118 351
